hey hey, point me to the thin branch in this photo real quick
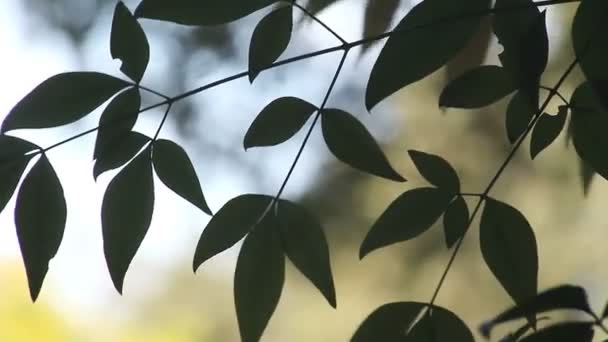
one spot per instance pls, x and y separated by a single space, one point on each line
162 122
318 21
152 91
561 97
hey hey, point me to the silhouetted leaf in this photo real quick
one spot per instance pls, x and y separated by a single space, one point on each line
519 114
305 244
126 213
410 215
587 174
546 131
388 323
13 162
415 51
563 332
350 142
258 279
230 224
509 249
117 120
455 221
128 42
561 297
439 325
605 311
436 170
589 125
62 99
378 18
119 153
40 216
196 12
533 59
278 121
270 39
174 168
477 88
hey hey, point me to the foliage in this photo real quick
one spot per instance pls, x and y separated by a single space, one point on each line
273 227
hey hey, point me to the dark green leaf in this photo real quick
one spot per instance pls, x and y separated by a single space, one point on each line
196 12
316 6
270 39
258 279
477 88
388 323
278 121
378 18
119 153
306 246
436 170
40 216
546 131
587 174
126 213
230 224
519 114
589 125
62 99
509 249
563 332
117 120
561 297
128 42
533 59
439 325
13 162
350 142
410 215
415 51
175 170
455 221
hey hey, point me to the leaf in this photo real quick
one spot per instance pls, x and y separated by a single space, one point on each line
40 216
563 332
126 213
316 6
477 88
378 18
388 323
278 121
410 215
589 124
13 162
415 51
519 115
587 174
605 311
129 43
306 246
258 279
436 170
509 249
196 12
230 224
119 153
117 120
351 143
546 130
62 99
561 297
174 168
455 221
533 58
440 325
270 39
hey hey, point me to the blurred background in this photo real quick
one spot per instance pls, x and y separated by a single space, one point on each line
163 300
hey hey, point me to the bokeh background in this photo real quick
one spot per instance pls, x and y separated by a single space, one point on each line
163 300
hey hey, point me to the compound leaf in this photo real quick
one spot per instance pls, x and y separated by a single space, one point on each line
439 324
477 88
436 170
117 120
455 221
388 323
13 162
270 39
519 115
119 152
128 42
546 131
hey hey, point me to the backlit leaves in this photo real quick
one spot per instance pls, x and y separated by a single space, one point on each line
128 43
477 88
410 215
119 152
563 332
230 224
62 99
519 114
196 12
533 59
258 279
174 168
13 162
546 130
350 142
455 221
436 170
126 213
439 325
278 121
415 51
378 17
270 39
40 216
509 249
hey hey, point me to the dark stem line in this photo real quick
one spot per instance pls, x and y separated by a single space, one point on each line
162 122
470 194
152 91
318 21
561 97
